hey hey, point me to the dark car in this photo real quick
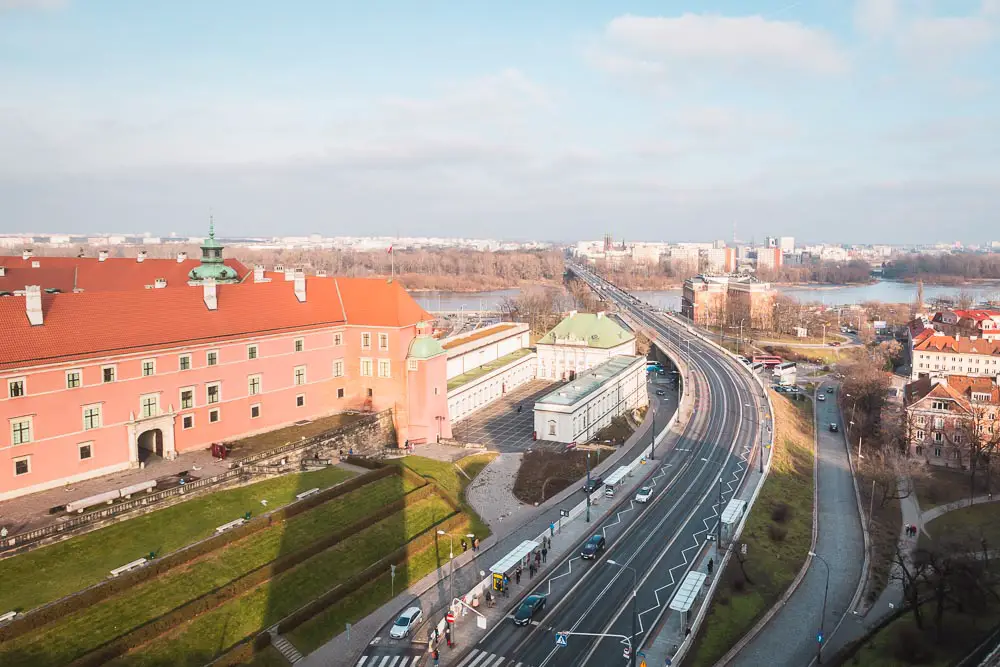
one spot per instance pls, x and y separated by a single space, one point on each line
593 485
834 428
660 392
592 547
829 390
533 604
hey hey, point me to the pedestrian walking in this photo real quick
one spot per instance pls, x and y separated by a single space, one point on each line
447 635
538 558
545 553
475 544
437 658
711 564
517 576
465 547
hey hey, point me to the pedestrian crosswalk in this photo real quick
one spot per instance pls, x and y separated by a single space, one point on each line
483 659
391 660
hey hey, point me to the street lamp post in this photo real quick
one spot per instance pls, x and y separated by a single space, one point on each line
822 621
635 590
718 536
451 560
741 336
652 440
588 487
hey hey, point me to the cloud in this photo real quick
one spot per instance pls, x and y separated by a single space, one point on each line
876 18
668 44
32 4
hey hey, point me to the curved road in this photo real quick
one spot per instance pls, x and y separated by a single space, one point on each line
656 541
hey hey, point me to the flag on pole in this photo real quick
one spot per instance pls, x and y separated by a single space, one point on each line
389 250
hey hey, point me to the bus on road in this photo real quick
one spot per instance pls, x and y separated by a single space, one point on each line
784 374
769 360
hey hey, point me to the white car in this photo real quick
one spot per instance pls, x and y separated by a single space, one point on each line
408 620
643 495
821 397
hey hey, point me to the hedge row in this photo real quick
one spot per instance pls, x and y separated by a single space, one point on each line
244 651
414 477
218 596
101 591
370 573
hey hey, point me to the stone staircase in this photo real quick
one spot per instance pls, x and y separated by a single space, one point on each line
284 646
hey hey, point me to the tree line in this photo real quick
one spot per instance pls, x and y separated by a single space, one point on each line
954 267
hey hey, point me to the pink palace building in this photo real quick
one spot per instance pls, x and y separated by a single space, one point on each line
91 380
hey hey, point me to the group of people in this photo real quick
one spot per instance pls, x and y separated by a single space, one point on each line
475 545
911 530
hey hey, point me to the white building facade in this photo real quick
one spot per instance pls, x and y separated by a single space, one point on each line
581 342
471 350
575 412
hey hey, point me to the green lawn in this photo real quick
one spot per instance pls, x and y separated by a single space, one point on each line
60 642
902 644
474 464
770 563
199 641
325 626
480 371
969 525
51 572
454 482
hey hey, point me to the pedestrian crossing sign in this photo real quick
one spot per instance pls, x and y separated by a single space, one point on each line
561 639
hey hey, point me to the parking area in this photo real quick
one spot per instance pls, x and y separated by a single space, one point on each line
500 426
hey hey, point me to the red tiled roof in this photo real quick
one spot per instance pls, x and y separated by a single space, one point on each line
963 345
93 275
98 323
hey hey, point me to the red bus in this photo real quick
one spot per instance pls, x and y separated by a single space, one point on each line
769 361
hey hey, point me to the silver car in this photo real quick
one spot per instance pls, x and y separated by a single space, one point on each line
406 622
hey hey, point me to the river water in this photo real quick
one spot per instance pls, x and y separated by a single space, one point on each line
884 290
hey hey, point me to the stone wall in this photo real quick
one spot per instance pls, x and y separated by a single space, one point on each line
366 437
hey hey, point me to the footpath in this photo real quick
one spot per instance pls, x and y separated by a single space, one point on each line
434 592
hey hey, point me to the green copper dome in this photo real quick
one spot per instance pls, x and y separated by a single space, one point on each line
424 347
212 265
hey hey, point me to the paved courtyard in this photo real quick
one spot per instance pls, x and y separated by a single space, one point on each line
499 426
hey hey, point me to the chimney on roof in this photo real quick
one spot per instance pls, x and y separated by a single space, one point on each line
258 274
26 254
289 275
33 304
159 283
211 300
300 287
141 257
102 256
182 257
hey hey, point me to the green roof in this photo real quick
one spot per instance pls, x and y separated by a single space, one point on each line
424 347
480 371
588 382
596 330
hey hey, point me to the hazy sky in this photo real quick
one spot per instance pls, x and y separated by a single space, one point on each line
868 121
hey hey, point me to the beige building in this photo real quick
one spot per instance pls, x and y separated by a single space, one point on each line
726 300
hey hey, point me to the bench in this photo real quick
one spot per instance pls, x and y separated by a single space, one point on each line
128 567
9 616
232 524
302 495
126 492
82 504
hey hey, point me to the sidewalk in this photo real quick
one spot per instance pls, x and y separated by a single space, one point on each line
436 590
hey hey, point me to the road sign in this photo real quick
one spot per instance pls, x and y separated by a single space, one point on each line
819 637
564 513
481 622
450 617
561 639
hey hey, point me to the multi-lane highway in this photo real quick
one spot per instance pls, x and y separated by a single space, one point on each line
652 545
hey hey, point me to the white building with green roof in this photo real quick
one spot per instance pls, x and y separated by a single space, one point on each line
581 342
577 410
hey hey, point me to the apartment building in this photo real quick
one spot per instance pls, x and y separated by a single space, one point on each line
946 414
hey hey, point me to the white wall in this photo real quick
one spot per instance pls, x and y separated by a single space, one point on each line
476 353
556 361
479 393
580 422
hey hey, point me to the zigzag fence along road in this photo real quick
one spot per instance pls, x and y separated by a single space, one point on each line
659 540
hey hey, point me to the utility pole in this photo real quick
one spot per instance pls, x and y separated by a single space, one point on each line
588 487
652 440
718 535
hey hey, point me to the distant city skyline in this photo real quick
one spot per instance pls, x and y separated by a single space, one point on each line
873 121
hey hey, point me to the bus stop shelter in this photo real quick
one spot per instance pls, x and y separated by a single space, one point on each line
731 517
687 594
510 561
